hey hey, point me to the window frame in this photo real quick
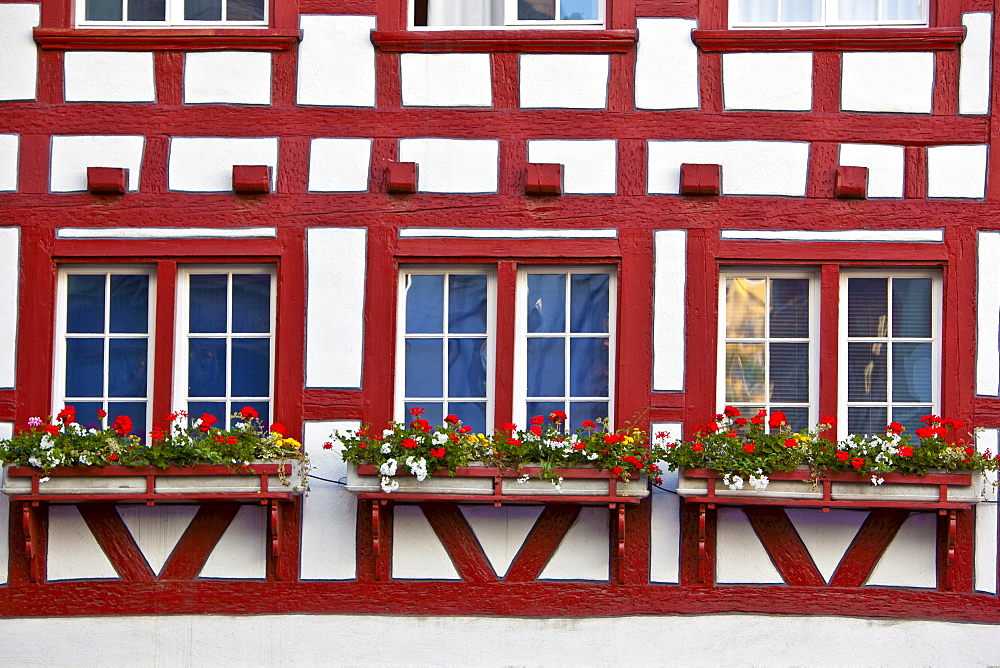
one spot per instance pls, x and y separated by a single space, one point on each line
173 18
508 8
828 9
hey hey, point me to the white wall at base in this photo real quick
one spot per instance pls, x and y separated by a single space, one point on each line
453 165
771 81
336 64
72 155
748 167
901 82
109 76
739 555
10 278
863 235
241 553
335 304
19 55
156 529
166 233
329 511
501 531
339 164
589 166
988 313
73 552
205 164
911 558
446 79
564 81
233 77
665 523
956 171
9 149
6 431
417 552
986 520
974 67
884 163
826 535
669 281
584 553
666 64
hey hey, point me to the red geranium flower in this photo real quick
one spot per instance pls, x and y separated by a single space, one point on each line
122 425
587 424
894 428
741 421
514 442
465 429
842 455
698 447
778 419
451 419
437 453
409 443
51 429
579 446
557 416
508 426
538 419
731 411
536 430
113 457
328 445
279 428
791 442
905 451
416 411
617 470
857 462
207 420
749 447
67 415
828 419
101 413
249 412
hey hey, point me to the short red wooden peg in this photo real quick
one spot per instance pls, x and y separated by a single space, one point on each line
107 180
544 179
851 182
401 178
701 179
251 179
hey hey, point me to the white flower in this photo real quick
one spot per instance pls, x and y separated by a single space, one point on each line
732 481
42 480
35 461
387 432
418 467
523 479
558 484
388 467
239 425
47 443
759 481
389 485
593 455
386 448
877 481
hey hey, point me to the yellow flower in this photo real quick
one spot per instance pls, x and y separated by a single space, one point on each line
290 443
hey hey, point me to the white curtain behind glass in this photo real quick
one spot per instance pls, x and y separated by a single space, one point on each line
464 12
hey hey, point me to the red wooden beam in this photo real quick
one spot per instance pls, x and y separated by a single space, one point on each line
549 530
830 39
458 539
956 542
866 549
778 536
198 541
517 41
116 541
209 39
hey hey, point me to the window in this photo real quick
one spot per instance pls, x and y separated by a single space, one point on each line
160 13
498 13
819 13
562 352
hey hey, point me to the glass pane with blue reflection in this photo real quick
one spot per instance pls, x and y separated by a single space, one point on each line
84 367
467 367
263 409
85 303
86 413
867 306
432 412
424 304
207 367
135 410
129 304
251 303
424 368
216 409
207 312
588 368
911 307
866 419
244 10
466 304
545 408
589 301
127 363
546 367
579 10
911 372
472 414
581 411
546 303
797 417
251 368
909 417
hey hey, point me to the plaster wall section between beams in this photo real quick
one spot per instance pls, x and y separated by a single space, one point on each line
975 64
73 552
446 79
241 552
988 314
740 558
666 64
336 65
885 167
767 81
19 55
109 76
564 81
339 164
665 525
748 167
453 165
6 431
985 555
669 282
209 77
590 166
205 164
957 171
10 146
911 558
899 82
10 279
72 155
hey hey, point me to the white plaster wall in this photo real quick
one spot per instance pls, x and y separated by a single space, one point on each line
739 555
72 155
884 163
974 67
986 520
956 171
339 164
564 81
665 524
234 77
335 303
9 149
417 552
826 535
336 65
19 55
669 283
501 531
900 82
205 164
911 559
666 64
584 553
241 553
156 529
10 278
166 233
109 76
446 79
869 236
748 167
6 431
589 166
988 313
503 233
329 511
73 552
772 81
453 165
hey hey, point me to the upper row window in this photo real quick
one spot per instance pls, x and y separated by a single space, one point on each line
160 13
499 13
820 13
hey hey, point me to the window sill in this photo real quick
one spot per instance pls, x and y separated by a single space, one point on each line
137 39
521 41
830 39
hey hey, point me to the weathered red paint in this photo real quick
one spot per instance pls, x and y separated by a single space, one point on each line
543 179
851 182
251 179
107 180
401 178
701 179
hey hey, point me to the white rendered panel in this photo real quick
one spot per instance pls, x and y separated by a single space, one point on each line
884 163
336 65
589 167
339 164
974 68
988 314
564 81
166 233
234 77
335 302
9 149
241 553
156 529
10 276
665 523
453 165
956 171
109 76
739 555
986 520
446 79
19 54
205 164
329 511
872 236
6 431
417 552
911 558
666 64
900 82
501 531
826 535
583 553
772 81
481 233
72 155
669 281
73 552
748 167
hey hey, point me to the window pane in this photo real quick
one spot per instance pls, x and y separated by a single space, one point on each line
536 10
789 316
866 419
86 413
546 367
424 304
911 372
866 372
588 367
545 408
466 304
745 308
909 417
202 10
432 412
263 409
758 11
216 409
867 304
579 10
424 376
146 10
790 372
858 10
745 372
85 304
588 306
901 10
136 410
104 10
252 303
467 367
208 303
245 10
796 416
127 367
579 411
207 368
472 414
801 11
546 303
84 367
251 368
911 307
129 303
